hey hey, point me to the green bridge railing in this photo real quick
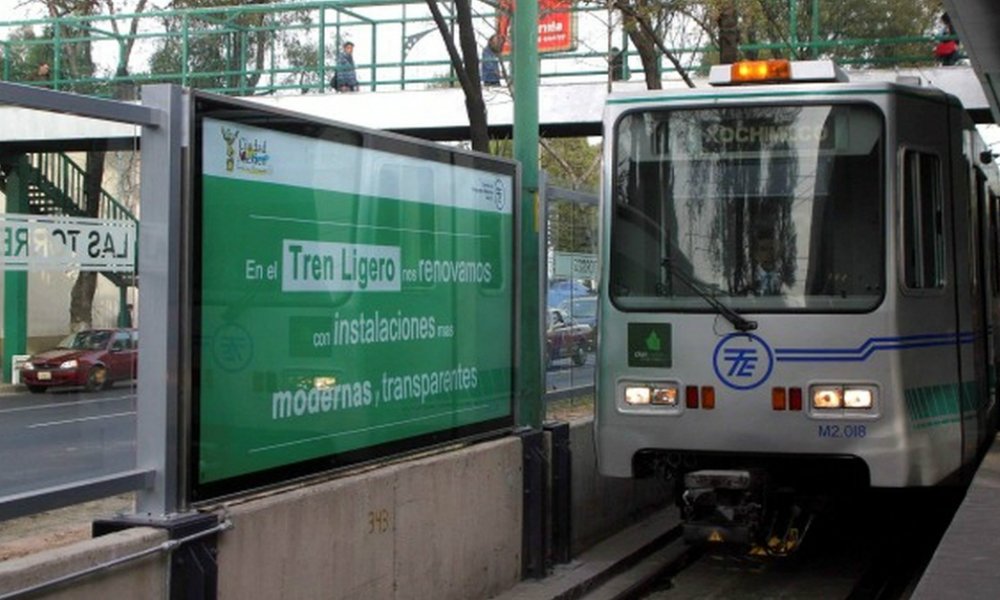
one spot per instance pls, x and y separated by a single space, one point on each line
291 47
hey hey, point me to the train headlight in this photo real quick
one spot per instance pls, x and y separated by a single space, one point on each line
655 395
827 397
664 396
858 398
637 395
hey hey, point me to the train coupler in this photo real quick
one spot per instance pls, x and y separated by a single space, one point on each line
722 507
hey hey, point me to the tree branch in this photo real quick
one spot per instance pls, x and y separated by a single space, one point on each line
650 33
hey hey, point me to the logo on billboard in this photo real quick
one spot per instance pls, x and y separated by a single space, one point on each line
230 135
743 361
499 194
248 155
232 347
491 192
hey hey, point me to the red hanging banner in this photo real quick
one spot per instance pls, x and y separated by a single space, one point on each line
556 25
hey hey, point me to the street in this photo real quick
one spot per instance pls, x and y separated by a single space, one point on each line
64 436
61 436
563 374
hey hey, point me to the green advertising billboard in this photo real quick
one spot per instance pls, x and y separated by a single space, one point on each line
353 296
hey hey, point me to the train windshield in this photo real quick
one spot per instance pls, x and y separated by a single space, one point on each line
765 208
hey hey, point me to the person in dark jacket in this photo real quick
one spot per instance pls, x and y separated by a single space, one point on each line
345 79
489 67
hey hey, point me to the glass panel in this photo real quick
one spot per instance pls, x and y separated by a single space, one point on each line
768 208
923 240
68 398
571 300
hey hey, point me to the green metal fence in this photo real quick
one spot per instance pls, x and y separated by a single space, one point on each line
291 48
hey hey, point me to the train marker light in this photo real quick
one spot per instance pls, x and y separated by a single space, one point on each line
691 396
778 398
708 397
794 398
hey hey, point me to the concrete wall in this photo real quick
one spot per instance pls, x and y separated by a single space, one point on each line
604 505
444 526
145 578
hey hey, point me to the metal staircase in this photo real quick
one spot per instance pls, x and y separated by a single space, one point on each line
57 186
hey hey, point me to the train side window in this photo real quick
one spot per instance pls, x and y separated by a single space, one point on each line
923 221
994 206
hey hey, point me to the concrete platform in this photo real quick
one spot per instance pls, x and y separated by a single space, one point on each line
966 564
595 566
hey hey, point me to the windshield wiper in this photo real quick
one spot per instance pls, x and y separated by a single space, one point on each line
738 321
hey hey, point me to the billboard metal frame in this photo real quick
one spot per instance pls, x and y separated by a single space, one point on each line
204 106
164 409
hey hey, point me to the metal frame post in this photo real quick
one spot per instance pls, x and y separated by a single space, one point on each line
159 441
526 69
561 503
534 477
194 567
15 284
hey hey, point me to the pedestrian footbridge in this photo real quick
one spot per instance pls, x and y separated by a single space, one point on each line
570 109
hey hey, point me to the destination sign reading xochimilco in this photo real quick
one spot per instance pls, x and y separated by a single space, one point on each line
350 299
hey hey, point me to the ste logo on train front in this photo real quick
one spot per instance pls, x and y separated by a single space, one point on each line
742 361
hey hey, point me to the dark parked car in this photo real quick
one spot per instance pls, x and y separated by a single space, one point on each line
94 359
565 338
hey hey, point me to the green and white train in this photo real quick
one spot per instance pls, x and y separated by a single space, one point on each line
799 285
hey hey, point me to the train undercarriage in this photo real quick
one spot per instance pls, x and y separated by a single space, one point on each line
762 504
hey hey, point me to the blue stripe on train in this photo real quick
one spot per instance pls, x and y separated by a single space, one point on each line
870 346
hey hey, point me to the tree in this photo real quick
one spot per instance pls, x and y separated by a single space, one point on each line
575 164
648 23
570 163
25 55
122 90
848 30
466 65
227 50
72 59
79 60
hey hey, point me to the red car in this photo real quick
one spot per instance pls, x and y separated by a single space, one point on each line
565 338
94 359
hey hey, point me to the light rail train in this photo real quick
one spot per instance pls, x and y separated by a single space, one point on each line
799 284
